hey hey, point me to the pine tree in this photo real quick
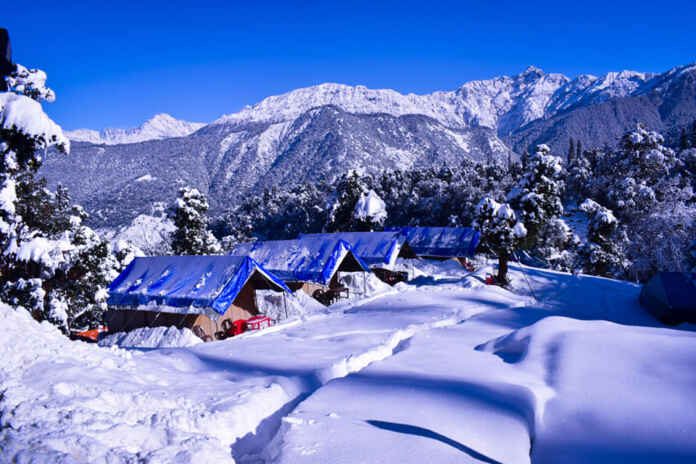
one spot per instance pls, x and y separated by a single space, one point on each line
500 231
52 264
192 236
537 196
684 140
605 252
571 151
578 151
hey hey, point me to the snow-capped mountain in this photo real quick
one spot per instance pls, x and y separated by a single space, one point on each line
503 103
161 126
320 132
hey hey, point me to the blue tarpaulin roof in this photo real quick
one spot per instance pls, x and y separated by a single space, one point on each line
185 284
306 259
372 247
445 242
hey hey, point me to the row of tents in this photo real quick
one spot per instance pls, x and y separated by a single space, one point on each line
208 293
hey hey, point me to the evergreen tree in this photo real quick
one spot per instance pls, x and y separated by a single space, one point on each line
537 196
571 151
578 149
51 263
192 236
500 231
684 140
605 252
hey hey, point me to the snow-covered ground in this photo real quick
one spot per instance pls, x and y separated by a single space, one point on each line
441 369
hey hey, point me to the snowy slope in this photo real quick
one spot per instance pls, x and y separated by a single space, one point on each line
444 369
161 126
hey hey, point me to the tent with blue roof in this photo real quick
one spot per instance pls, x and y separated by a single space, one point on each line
441 242
671 297
198 292
376 249
309 263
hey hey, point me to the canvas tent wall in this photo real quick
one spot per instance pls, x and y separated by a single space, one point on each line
309 263
197 292
441 242
671 297
376 249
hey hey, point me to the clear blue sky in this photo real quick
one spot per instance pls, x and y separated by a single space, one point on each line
116 66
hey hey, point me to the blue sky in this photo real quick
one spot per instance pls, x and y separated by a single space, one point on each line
116 66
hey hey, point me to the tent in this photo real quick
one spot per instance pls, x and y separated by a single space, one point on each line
310 263
197 292
671 297
441 242
377 249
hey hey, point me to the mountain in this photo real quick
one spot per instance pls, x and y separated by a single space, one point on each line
161 126
322 131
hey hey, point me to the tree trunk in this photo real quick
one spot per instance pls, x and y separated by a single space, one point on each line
503 259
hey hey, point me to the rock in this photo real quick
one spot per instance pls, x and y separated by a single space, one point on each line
6 66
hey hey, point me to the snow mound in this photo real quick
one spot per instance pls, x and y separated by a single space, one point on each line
363 285
622 393
152 337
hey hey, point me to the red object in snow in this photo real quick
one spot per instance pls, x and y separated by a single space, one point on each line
238 327
490 280
89 335
258 322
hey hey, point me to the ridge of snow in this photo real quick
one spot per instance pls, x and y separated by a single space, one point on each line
503 103
160 126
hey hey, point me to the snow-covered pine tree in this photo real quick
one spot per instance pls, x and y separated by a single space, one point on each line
349 189
370 213
577 178
500 231
192 236
605 252
51 263
537 195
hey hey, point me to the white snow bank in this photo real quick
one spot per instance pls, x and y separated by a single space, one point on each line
26 114
361 284
623 393
152 337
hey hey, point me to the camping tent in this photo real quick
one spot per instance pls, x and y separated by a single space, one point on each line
671 297
187 291
441 242
306 260
377 249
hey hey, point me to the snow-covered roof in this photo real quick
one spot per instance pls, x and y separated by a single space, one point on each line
185 284
446 242
372 247
306 259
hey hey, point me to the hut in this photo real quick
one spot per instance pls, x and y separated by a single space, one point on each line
308 263
379 250
441 243
202 293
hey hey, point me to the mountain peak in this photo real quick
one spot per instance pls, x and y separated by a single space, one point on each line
160 126
532 70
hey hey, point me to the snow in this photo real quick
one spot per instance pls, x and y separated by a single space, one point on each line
161 126
152 337
560 368
26 114
502 103
147 232
370 207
